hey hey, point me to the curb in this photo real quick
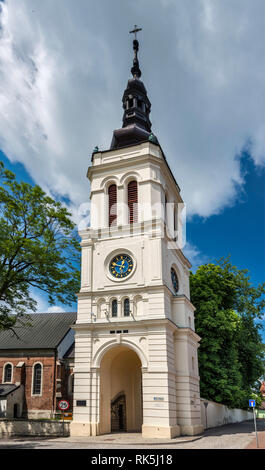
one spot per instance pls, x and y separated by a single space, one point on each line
123 443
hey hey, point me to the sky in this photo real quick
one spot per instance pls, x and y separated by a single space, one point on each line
64 66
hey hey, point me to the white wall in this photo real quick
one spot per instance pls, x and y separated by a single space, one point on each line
7 403
3 406
218 414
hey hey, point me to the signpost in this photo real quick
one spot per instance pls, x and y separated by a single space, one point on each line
63 405
252 404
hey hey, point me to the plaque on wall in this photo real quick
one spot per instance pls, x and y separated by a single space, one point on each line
80 402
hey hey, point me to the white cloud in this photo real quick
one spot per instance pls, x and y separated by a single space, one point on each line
63 73
42 304
55 309
194 255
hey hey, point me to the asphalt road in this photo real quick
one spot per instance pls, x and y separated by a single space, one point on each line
232 436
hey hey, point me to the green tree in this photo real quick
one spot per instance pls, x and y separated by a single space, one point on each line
39 248
228 310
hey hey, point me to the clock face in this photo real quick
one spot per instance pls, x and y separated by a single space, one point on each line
175 281
121 266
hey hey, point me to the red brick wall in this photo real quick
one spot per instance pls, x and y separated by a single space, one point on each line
37 402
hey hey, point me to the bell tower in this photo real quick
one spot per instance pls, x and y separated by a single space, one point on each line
136 366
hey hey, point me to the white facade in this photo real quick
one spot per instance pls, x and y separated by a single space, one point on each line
144 364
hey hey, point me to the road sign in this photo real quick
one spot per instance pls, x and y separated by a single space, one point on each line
252 404
63 405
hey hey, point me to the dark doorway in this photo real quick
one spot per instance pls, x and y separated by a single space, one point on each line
118 413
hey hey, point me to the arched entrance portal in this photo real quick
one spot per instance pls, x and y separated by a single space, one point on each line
120 391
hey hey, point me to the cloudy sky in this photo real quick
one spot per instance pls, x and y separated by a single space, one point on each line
64 66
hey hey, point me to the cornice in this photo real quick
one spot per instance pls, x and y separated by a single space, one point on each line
123 324
124 161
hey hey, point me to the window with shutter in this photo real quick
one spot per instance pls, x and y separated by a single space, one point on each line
133 201
112 193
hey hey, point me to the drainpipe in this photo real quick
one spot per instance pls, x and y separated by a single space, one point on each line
54 383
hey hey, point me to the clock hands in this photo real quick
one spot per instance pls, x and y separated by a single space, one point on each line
121 266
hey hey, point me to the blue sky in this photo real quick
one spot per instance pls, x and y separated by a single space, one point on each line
203 64
238 231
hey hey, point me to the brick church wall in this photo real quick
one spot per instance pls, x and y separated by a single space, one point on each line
24 375
47 401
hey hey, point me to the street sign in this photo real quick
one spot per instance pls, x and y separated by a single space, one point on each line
63 405
252 404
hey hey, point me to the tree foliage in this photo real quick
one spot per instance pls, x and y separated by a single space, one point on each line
227 318
39 248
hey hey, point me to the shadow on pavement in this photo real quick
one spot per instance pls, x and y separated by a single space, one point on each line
236 428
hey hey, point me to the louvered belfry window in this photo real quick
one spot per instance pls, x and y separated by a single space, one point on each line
112 193
133 201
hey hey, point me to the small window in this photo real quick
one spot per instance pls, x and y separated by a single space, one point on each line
139 104
37 373
8 373
114 308
126 307
130 103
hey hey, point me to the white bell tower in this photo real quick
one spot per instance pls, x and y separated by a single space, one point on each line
136 366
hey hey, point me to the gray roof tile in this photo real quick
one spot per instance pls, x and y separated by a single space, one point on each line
46 332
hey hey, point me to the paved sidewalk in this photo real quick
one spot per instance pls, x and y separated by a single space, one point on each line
261 441
231 436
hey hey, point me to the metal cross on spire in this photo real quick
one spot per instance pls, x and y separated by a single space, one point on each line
135 31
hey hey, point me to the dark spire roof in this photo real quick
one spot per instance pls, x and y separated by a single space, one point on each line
136 125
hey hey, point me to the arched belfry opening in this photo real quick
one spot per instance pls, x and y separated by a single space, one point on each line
120 391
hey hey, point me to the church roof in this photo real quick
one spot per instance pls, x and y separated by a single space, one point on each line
70 353
43 331
5 389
